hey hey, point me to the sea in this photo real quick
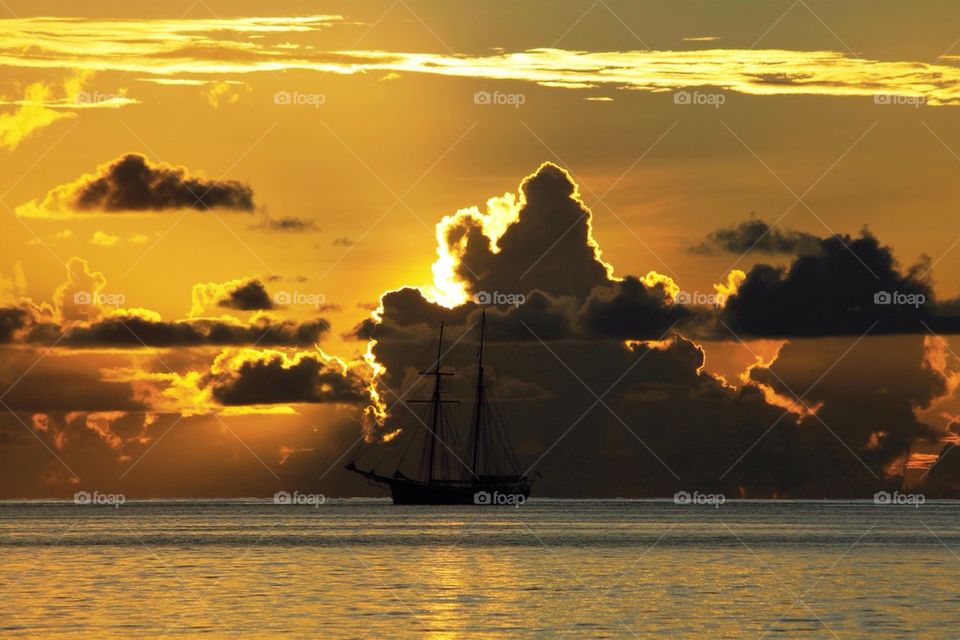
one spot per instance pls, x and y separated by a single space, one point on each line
363 568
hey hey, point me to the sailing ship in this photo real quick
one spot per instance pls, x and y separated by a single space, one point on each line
487 475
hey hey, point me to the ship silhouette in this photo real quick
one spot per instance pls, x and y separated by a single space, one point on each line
487 475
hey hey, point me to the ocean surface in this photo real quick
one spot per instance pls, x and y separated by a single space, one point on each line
550 568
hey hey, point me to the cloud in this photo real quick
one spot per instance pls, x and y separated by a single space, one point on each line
30 116
246 294
12 320
757 235
132 183
286 224
848 286
107 240
130 329
631 310
103 239
172 49
81 295
254 377
223 93
541 240
667 422
43 104
84 314
868 393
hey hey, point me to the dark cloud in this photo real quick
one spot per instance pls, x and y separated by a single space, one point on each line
868 393
847 287
407 310
250 295
287 224
666 422
757 235
133 183
343 241
630 310
132 331
12 319
277 379
549 248
622 310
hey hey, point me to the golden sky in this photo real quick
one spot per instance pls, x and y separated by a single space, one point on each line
163 155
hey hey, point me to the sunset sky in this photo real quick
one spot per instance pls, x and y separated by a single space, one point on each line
206 207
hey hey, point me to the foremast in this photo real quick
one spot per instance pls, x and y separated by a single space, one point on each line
435 401
478 408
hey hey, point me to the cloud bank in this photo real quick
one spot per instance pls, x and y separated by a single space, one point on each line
132 183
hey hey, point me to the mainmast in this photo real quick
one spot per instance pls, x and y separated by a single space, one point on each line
478 418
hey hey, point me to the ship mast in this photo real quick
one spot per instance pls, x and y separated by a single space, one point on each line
478 421
436 406
435 401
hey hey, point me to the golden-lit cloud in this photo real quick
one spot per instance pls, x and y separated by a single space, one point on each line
103 239
451 270
81 294
31 115
728 288
221 46
223 93
943 411
44 103
244 294
107 240
206 45
14 287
